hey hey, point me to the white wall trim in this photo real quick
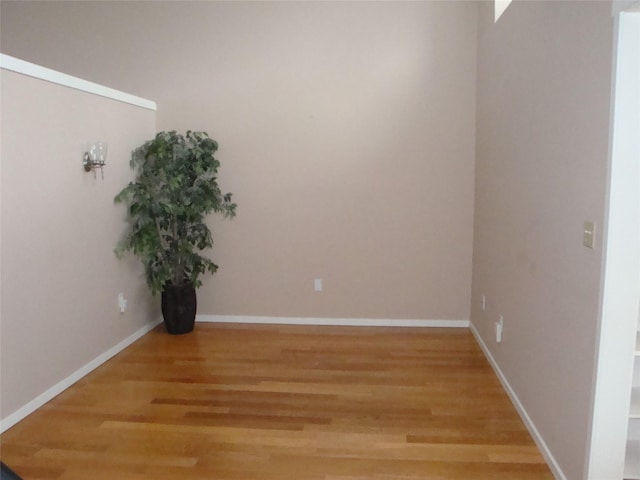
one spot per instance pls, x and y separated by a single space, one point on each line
53 76
535 434
10 420
345 322
620 275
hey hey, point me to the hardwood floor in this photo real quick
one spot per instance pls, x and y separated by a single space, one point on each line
282 402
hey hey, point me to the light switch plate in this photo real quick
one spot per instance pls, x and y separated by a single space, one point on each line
589 234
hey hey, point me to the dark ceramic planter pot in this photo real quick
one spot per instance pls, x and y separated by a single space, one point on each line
179 304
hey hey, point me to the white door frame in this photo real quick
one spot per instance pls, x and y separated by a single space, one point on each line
620 295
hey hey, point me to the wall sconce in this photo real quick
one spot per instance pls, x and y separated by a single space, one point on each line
95 157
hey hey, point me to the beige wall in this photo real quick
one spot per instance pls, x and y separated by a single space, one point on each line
60 278
544 82
346 130
347 134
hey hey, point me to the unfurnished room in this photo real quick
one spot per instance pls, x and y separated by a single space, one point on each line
320 240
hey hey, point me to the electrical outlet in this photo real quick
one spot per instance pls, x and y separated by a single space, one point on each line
122 303
484 302
317 284
499 328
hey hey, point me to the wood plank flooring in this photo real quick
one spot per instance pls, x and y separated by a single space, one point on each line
231 402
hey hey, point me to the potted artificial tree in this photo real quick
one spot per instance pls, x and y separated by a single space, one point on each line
174 189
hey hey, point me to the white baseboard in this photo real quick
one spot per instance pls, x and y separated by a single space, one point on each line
10 420
535 434
343 322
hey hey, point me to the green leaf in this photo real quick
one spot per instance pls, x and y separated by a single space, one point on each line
175 188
